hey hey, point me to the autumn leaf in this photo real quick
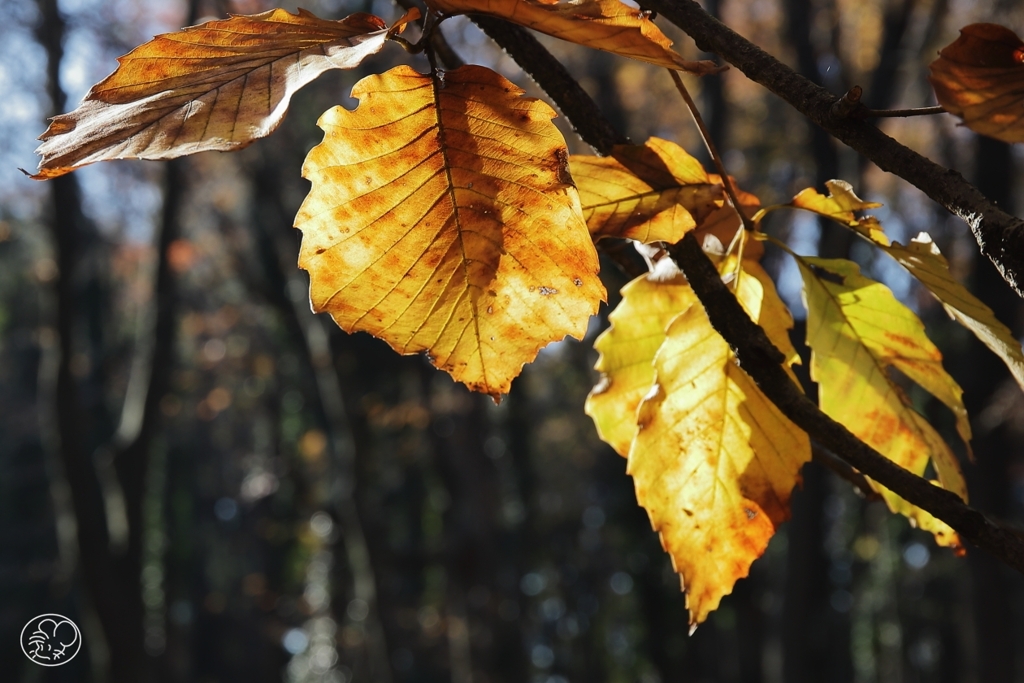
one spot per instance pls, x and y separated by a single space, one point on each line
925 262
980 78
628 347
858 332
442 218
724 222
650 193
840 205
714 461
607 25
217 86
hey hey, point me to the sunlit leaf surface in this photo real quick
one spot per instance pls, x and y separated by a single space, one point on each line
655 192
926 263
714 461
858 333
442 218
628 348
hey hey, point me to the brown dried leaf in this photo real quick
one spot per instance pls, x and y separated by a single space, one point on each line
217 86
980 78
442 218
602 24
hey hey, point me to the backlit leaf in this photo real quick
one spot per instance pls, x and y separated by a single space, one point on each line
655 192
714 461
925 262
980 78
628 348
858 332
217 86
607 25
840 205
442 218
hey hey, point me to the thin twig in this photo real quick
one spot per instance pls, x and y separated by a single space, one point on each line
896 113
712 150
431 36
823 457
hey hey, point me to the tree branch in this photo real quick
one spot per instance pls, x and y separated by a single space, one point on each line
763 362
999 235
756 354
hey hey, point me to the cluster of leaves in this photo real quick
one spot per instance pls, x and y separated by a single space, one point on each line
447 217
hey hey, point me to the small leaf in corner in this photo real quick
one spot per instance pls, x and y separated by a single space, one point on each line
980 78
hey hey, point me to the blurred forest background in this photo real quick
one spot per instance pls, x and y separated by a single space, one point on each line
218 486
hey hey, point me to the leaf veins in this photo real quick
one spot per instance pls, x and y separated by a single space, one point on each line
442 218
217 86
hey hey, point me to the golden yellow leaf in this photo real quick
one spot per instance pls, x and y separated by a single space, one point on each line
217 86
839 205
926 263
607 25
980 78
714 461
628 348
858 332
442 218
651 193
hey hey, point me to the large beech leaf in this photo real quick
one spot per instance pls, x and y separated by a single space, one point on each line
607 25
628 348
926 263
442 218
858 332
714 461
217 86
650 193
980 78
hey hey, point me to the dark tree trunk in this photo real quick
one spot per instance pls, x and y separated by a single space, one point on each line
997 451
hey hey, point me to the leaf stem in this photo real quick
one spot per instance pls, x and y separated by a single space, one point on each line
712 150
894 113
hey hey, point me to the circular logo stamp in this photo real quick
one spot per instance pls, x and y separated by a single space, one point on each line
50 640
